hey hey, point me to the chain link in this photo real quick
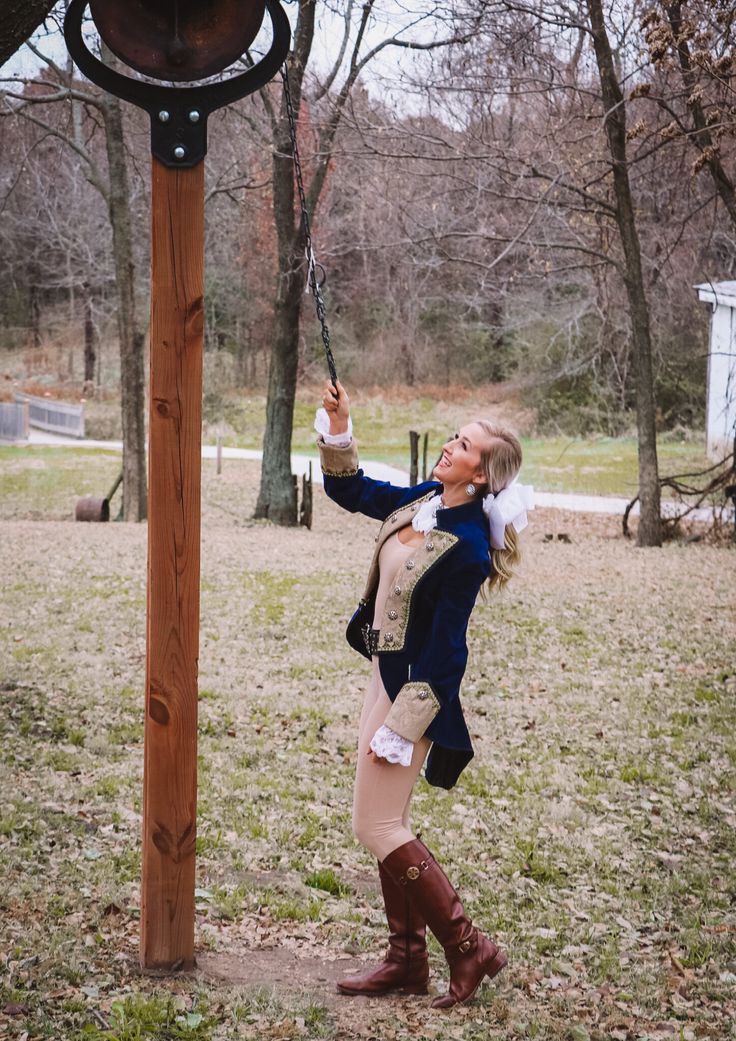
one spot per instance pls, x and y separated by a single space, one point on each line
312 281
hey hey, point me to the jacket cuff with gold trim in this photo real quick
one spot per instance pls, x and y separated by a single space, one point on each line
415 707
338 462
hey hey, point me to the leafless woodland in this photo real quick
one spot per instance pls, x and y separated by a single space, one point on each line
499 191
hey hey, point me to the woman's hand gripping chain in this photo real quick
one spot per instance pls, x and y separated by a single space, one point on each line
337 406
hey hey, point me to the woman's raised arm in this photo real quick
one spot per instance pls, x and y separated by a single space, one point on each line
344 481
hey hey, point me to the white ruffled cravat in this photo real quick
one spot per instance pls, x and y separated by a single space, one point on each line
426 516
509 506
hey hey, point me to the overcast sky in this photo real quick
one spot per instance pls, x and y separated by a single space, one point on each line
383 74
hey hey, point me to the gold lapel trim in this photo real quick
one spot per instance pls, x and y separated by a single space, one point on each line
395 618
397 520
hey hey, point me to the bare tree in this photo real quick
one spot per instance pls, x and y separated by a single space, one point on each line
470 233
650 523
553 202
58 87
53 237
696 41
131 337
276 499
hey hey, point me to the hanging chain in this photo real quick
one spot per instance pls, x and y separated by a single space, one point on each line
314 285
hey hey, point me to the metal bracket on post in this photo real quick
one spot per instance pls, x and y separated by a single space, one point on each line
178 114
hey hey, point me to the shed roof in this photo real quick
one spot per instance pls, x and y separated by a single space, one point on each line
718 293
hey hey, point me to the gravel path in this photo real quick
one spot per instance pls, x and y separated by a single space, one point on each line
381 471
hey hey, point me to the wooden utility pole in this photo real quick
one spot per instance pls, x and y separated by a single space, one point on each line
172 637
176 40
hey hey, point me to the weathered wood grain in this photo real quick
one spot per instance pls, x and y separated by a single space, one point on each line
174 467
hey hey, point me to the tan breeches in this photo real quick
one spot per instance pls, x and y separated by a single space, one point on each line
382 790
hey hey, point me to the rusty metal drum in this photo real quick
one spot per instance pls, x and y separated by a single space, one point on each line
92 509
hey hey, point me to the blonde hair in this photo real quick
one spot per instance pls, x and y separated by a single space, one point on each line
500 461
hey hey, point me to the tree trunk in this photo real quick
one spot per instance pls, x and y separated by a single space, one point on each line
20 20
35 312
90 355
650 525
131 340
276 497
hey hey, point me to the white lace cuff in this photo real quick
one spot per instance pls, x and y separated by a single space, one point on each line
391 746
322 426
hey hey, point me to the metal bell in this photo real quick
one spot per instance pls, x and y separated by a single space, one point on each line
179 40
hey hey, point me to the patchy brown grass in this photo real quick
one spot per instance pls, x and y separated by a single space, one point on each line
593 834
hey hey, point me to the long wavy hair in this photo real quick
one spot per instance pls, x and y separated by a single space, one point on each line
500 461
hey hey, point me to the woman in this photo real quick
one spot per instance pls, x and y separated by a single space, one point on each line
436 548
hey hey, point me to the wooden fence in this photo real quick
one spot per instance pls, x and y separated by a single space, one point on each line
58 417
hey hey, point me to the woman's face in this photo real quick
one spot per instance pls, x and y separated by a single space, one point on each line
460 462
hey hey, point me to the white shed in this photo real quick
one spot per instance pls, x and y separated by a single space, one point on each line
720 413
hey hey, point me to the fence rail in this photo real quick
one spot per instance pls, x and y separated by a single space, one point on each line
58 417
14 425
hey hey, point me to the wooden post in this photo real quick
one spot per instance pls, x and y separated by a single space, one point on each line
425 444
174 481
413 457
307 506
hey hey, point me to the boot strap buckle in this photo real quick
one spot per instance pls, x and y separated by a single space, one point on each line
465 946
413 872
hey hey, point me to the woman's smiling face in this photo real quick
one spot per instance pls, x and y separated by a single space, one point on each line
460 462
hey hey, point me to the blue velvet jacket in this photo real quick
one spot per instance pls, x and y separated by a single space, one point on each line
421 646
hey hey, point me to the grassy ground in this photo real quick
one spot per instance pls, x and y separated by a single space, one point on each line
383 416
601 466
594 834
597 466
44 483
41 482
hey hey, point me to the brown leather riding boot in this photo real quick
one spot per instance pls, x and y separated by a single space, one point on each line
405 966
470 954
